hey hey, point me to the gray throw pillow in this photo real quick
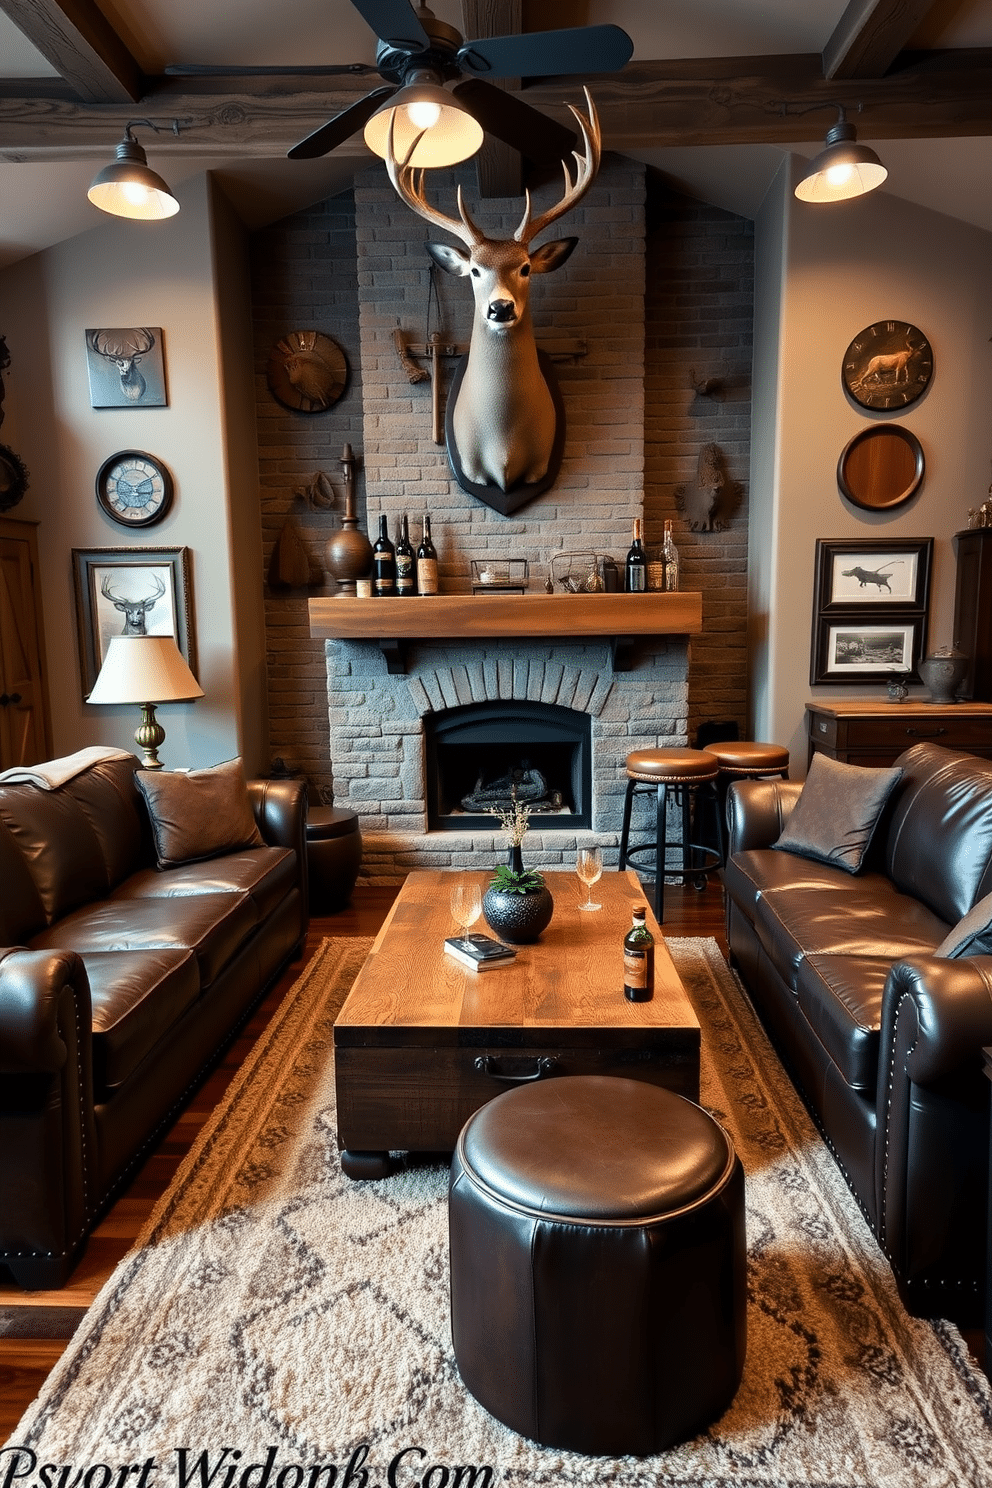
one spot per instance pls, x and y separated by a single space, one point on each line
972 935
198 814
837 811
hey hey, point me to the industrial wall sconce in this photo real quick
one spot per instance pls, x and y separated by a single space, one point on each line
844 169
128 187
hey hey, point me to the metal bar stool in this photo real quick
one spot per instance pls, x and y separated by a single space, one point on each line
743 760
681 771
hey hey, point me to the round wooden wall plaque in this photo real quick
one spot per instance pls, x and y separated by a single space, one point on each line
881 467
307 371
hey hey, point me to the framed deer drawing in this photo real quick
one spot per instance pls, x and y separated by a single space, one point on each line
505 420
131 591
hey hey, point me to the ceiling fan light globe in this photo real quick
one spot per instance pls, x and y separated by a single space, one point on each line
423 115
454 136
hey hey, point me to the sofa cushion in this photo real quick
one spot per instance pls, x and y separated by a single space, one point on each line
839 807
749 874
841 1000
58 844
939 842
107 795
863 918
267 874
198 814
212 926
136 996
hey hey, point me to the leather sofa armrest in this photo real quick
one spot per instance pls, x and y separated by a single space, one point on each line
32 985
280 808
757 810
952 1006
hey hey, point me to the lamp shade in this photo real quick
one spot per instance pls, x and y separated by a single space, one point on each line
130 188
449 133
843 170
144 669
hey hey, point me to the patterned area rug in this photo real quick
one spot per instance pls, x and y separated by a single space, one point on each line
275 1317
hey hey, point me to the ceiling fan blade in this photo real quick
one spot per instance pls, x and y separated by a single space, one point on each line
394 21
340 128
548 53
198 69
541 140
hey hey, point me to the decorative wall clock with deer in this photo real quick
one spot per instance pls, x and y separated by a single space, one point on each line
888 365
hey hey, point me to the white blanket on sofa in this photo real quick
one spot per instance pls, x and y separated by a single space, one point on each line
53 773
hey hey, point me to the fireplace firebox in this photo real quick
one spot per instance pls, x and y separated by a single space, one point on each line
471 749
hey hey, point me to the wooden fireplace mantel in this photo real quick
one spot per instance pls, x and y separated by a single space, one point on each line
621 618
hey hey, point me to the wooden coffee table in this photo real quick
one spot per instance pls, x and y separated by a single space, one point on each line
421 1042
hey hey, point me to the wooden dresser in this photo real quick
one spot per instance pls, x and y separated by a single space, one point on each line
869 731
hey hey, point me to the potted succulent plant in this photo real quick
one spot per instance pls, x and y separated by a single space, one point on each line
517 904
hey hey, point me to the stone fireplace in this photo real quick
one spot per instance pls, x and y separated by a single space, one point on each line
389 726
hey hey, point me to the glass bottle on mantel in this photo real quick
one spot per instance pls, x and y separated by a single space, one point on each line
635 579
406 576
426 561
670 558
383 563
638 959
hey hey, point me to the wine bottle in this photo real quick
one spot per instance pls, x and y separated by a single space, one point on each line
636 571
406 580
383 563
670 557
638 959
426 561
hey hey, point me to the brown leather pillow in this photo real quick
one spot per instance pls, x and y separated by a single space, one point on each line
972 935
837 811
198 814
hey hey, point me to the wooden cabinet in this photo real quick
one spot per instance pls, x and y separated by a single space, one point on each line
869 732
973 609
25 726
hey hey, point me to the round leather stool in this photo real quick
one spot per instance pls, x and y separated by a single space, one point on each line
334 856
596 1231
743 760
681 771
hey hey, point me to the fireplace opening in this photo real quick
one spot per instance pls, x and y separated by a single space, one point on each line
474 755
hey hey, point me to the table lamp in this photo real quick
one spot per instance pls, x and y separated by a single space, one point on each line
145 670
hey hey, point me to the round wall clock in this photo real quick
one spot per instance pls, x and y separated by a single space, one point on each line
134 488
887 365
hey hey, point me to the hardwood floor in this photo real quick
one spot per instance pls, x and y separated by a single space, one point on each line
35 1327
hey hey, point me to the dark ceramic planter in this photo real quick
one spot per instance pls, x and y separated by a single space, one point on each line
518 918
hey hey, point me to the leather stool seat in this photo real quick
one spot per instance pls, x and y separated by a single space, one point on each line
672 765
598 1264
744 758
334 857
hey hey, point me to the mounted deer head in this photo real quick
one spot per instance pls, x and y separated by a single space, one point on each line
504 424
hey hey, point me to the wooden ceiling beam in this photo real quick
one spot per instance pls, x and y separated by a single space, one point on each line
870 35
82 46
498 166
701 101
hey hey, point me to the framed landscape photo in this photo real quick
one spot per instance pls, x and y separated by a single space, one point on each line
131 591
857 650
853 574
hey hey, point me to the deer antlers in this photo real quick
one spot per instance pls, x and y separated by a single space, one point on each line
409 183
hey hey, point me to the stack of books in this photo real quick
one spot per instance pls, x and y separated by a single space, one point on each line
479 952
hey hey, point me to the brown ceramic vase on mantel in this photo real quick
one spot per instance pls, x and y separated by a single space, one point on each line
348 552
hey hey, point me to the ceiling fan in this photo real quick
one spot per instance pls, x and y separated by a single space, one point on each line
414 46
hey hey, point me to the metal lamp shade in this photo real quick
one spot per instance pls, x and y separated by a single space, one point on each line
447 136
843 170
130 188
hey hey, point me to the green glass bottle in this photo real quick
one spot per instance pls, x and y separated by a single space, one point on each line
638 959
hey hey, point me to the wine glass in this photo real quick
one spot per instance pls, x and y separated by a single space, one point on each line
589 867
466 904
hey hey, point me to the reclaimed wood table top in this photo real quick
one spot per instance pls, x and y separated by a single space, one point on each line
410 990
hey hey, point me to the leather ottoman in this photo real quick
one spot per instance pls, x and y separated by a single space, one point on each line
597 1244
334 856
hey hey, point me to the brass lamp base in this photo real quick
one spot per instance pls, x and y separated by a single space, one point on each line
149 736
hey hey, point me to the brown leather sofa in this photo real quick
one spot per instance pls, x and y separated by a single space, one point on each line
119 984
884 1038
